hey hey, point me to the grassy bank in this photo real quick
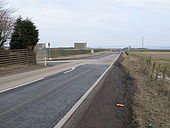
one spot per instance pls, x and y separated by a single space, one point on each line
151 98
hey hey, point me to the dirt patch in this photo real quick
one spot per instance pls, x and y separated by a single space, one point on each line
118 88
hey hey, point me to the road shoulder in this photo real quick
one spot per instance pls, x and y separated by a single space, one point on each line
103 112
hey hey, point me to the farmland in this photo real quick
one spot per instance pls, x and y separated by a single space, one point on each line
162 58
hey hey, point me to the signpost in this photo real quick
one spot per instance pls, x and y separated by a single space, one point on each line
48 51
92 51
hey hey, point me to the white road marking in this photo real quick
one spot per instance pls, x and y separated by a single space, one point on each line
72 68
20 85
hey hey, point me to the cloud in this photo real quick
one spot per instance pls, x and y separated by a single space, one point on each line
66 21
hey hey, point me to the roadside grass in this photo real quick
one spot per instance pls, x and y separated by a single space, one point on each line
162 58
151 98
11 67
1 48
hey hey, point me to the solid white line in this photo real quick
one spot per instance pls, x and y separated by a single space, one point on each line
70 70
20 85
79 102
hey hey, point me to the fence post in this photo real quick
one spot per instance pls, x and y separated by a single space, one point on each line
149 65
157 72
146 66
164 73
153 70
10 61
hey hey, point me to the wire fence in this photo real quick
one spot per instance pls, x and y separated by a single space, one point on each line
154 69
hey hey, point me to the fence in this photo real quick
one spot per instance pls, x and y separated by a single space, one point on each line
17 57
155 70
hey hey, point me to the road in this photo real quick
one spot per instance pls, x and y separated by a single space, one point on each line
43 103
102 55
87 58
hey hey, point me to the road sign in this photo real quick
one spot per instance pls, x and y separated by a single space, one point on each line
48 44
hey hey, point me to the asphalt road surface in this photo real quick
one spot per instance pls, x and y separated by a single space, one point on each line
67 61
52 63
43 103
101 56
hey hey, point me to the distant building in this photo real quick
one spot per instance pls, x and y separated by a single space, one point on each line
80 46
40 46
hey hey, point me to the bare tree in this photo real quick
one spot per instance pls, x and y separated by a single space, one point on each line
6 22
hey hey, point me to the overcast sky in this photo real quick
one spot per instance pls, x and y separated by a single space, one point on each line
100 23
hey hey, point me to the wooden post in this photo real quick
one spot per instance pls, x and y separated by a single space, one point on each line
157 72
153 70
164 73
146 66
28 52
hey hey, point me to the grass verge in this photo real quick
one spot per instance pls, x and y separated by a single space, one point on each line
151 99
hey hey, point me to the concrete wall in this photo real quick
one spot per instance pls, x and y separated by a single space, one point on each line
54 52
40 46
41 53
80 46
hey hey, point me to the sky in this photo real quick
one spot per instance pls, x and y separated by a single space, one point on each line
99 23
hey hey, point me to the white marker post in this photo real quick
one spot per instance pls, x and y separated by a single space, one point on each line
92 51
45 61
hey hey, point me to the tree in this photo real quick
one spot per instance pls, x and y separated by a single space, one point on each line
6 22
25 35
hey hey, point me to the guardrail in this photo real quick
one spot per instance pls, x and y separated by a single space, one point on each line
71 119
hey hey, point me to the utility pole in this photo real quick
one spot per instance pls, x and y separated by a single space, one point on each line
142 41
